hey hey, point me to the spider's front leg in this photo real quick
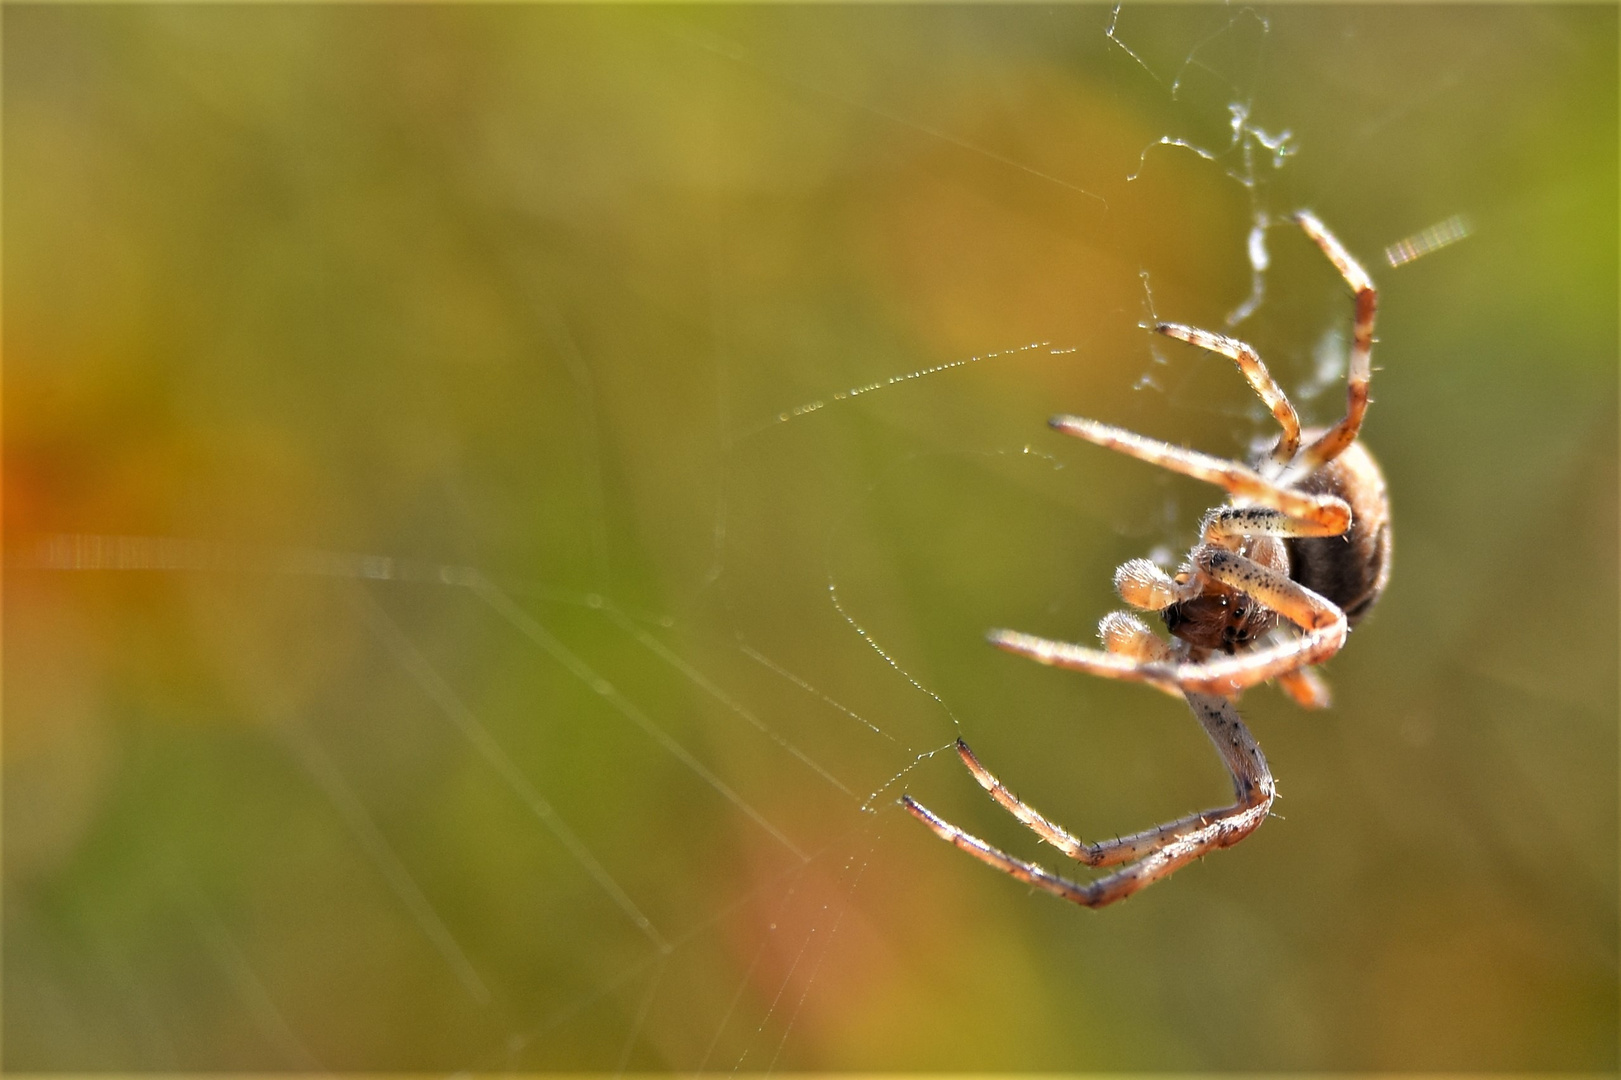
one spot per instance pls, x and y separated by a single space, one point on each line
1329 513
1159 851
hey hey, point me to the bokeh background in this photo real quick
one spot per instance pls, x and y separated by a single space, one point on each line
442 630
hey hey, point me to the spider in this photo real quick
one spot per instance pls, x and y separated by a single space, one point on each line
1297 555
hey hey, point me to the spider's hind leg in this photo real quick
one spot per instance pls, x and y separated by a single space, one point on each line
1159 851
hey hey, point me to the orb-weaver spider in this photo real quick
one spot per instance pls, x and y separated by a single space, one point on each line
1295 557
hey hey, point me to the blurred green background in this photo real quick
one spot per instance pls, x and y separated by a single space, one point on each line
596 774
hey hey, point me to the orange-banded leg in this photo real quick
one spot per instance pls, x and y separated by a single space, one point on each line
1159 851
1307 688
1255 373
1229 526
1332 443
1327 512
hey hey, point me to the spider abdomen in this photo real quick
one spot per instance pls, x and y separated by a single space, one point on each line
1351 570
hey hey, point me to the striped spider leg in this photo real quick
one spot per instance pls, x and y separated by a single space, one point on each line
1153 853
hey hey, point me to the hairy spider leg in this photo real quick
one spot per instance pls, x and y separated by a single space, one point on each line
1333 442
1229 526
1255 373
1104 853
1160 851
1327 512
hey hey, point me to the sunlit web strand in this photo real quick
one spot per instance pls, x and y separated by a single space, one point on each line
365 832
833 594
76 551
892 380
823 946
1109 33
698 679
816 966
636 968
1192 60
531 628
1245 134
767 662
893 780
461 717
782 988
748 974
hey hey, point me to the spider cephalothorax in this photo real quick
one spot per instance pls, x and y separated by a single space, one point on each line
1221 619
1296 556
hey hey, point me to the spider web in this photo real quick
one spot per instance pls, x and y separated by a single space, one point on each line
500 502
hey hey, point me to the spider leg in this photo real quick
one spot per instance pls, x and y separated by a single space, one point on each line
1325 511
1104 852
1332 443
1160 850
1308 688
1270 588
1027 872
1227 526
1064 654
1079 850
1255 373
